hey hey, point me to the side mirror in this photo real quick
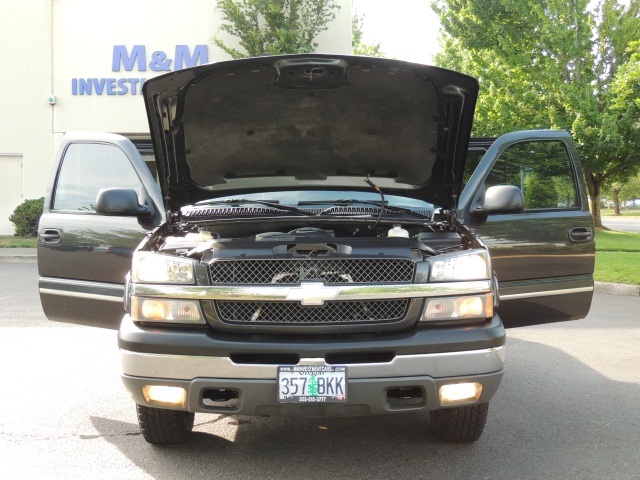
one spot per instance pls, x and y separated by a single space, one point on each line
500 199
121 202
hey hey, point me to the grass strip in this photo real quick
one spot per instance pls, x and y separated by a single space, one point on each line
617 257
615 241
618 267
9 241
624 213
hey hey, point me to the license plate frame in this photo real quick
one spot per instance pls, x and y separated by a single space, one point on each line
312 384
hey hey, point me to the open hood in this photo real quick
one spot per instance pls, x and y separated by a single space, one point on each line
310 121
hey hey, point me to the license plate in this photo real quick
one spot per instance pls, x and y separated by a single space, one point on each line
312 384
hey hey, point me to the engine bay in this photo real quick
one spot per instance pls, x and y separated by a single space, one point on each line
206 242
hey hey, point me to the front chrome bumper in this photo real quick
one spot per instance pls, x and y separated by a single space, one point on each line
436 365
369 385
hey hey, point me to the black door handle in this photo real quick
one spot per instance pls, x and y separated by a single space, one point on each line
51 236
580 234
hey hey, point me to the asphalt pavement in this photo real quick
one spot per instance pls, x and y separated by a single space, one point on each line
567 409
622 223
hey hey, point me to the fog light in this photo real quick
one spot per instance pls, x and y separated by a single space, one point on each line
460 393
165 396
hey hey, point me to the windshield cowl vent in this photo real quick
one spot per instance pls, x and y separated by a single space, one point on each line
351 211
355 210
226 212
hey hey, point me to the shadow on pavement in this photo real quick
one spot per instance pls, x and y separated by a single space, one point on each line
553 417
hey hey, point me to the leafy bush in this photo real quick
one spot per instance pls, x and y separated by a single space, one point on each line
26 217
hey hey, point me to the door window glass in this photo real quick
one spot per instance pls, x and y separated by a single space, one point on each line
542 170
86 169
474 155
150 162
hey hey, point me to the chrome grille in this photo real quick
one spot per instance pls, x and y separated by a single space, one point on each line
293 271
332 312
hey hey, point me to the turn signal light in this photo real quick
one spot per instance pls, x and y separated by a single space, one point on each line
169 311
459 308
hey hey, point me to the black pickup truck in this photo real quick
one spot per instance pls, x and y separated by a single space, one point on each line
313 243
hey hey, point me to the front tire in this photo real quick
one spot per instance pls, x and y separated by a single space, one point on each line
164 427
459 424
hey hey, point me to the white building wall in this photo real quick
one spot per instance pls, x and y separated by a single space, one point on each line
25 116
46 44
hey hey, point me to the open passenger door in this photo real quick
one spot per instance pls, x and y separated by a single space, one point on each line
543 253
83 255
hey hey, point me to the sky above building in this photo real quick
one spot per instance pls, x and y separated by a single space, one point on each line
406 29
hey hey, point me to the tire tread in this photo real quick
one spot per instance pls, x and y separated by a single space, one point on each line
160 426
460 424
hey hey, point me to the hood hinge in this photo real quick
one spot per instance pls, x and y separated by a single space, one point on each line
171 217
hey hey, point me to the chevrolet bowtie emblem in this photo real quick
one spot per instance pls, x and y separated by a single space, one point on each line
312 293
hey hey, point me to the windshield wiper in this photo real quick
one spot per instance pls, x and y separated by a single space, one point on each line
275 204
343 202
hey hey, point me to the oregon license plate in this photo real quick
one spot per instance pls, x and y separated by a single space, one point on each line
310 383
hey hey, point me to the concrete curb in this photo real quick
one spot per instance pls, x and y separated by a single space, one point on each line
17 259
18 255
617 288
28 255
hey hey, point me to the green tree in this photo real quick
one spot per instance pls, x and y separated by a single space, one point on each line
613 190
274 27
608 131
631 189
358 47
623 191
552 64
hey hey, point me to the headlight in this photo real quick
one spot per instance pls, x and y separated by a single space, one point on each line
459 308
467 266
155 268
169 311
